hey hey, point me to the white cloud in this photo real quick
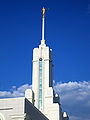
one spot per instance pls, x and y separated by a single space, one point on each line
75 99
5 94
15 92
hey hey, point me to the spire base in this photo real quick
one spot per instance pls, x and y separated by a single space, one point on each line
43 42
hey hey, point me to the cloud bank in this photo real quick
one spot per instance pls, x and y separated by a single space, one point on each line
74 97
15 92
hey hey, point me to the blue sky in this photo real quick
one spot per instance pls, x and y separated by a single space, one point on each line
67 33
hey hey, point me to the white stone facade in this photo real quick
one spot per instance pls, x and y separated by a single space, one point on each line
50 102
12 109
19 109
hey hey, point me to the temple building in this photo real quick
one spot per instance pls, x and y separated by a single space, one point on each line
40 102
42 94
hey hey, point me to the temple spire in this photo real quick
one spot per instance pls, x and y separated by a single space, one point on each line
43 26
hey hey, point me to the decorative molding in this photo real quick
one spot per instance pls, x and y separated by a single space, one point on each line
34 60
6 108
46 59
18 116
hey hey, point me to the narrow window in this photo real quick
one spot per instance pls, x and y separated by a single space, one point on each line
40 84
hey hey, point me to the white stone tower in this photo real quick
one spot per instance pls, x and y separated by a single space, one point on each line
42 94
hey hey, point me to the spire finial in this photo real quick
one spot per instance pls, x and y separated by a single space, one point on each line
43 12
43 20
